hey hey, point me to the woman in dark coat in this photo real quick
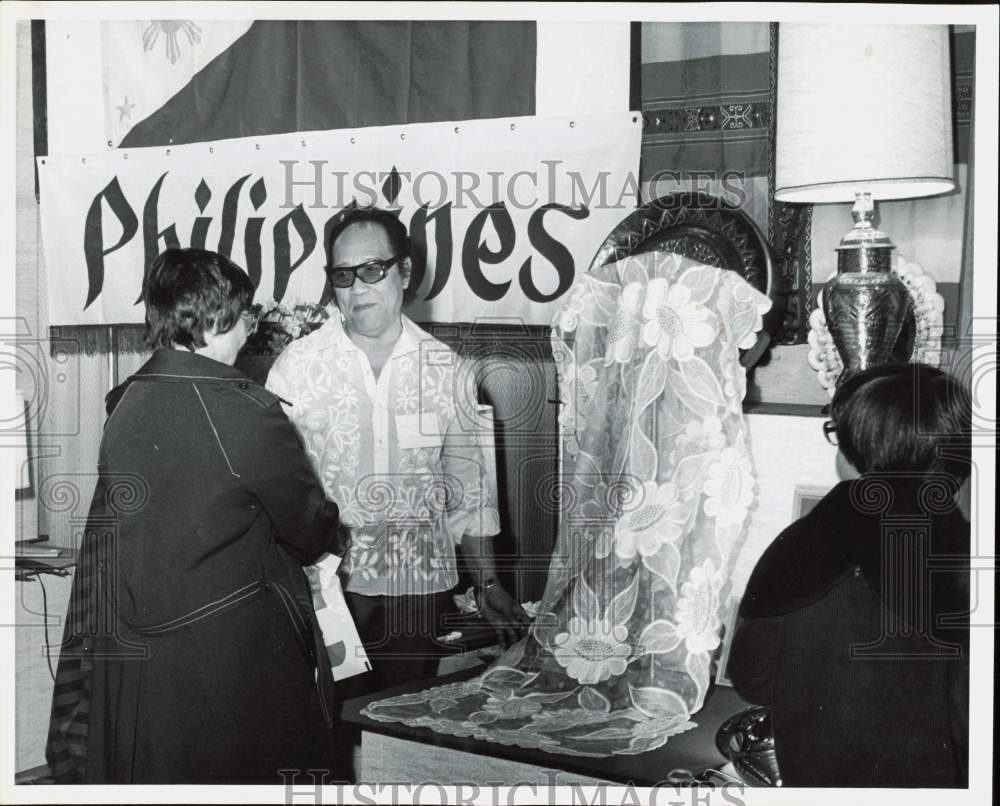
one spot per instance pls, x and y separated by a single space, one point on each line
854 622
190 651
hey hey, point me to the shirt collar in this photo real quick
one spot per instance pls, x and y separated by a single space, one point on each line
408 342
410 338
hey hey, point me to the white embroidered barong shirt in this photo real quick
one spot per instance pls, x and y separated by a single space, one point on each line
404 456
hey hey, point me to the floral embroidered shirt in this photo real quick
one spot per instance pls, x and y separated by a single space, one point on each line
404 456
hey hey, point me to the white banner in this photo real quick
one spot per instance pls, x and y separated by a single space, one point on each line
503 213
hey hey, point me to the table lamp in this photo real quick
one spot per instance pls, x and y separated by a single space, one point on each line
864 113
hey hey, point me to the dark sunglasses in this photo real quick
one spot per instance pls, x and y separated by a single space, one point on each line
371 272
830 431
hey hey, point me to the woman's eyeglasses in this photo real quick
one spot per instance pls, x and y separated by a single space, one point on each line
251 316
371 272
830 431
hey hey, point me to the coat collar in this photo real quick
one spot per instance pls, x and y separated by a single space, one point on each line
842 537
182 365
176 365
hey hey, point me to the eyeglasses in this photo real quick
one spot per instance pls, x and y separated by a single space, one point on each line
830 431
371 272
251 316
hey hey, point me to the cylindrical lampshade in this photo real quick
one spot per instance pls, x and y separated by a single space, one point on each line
863 107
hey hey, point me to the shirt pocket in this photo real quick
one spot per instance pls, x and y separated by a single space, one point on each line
420 430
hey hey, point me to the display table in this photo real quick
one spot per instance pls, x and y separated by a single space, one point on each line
392 751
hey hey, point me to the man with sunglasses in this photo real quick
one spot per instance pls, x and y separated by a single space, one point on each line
389 418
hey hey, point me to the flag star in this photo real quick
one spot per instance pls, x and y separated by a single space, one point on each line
125 110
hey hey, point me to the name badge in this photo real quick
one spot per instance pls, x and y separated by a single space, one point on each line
418 430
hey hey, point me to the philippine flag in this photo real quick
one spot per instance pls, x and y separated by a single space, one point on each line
182 81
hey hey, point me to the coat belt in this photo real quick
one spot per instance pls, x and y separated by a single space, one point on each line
309 638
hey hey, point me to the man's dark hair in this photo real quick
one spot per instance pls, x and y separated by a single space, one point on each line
399 241
190 291
897 418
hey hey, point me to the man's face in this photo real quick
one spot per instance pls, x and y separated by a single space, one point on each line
370 310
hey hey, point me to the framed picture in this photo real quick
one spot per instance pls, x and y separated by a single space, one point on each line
804 498
729 628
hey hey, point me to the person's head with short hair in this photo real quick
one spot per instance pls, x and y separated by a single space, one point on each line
368 265
197 300
895 418
395 230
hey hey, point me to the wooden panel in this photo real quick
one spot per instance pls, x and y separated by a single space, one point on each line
386 758
516 375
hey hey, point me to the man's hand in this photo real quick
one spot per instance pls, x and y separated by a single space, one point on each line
502 613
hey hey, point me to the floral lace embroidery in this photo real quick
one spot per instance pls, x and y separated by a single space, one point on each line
656 488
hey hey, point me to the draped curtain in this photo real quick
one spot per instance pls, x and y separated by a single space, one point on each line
656 487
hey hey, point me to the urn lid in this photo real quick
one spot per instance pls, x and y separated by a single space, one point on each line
865 238
864 235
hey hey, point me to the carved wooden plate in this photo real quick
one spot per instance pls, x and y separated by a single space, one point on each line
709 230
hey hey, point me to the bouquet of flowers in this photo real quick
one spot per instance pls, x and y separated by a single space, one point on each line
279 324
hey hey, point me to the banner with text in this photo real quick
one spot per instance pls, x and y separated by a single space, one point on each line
502 213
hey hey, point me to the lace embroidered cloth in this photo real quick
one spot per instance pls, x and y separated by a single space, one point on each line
656 487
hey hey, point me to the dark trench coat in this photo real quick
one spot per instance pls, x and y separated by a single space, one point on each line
190 649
